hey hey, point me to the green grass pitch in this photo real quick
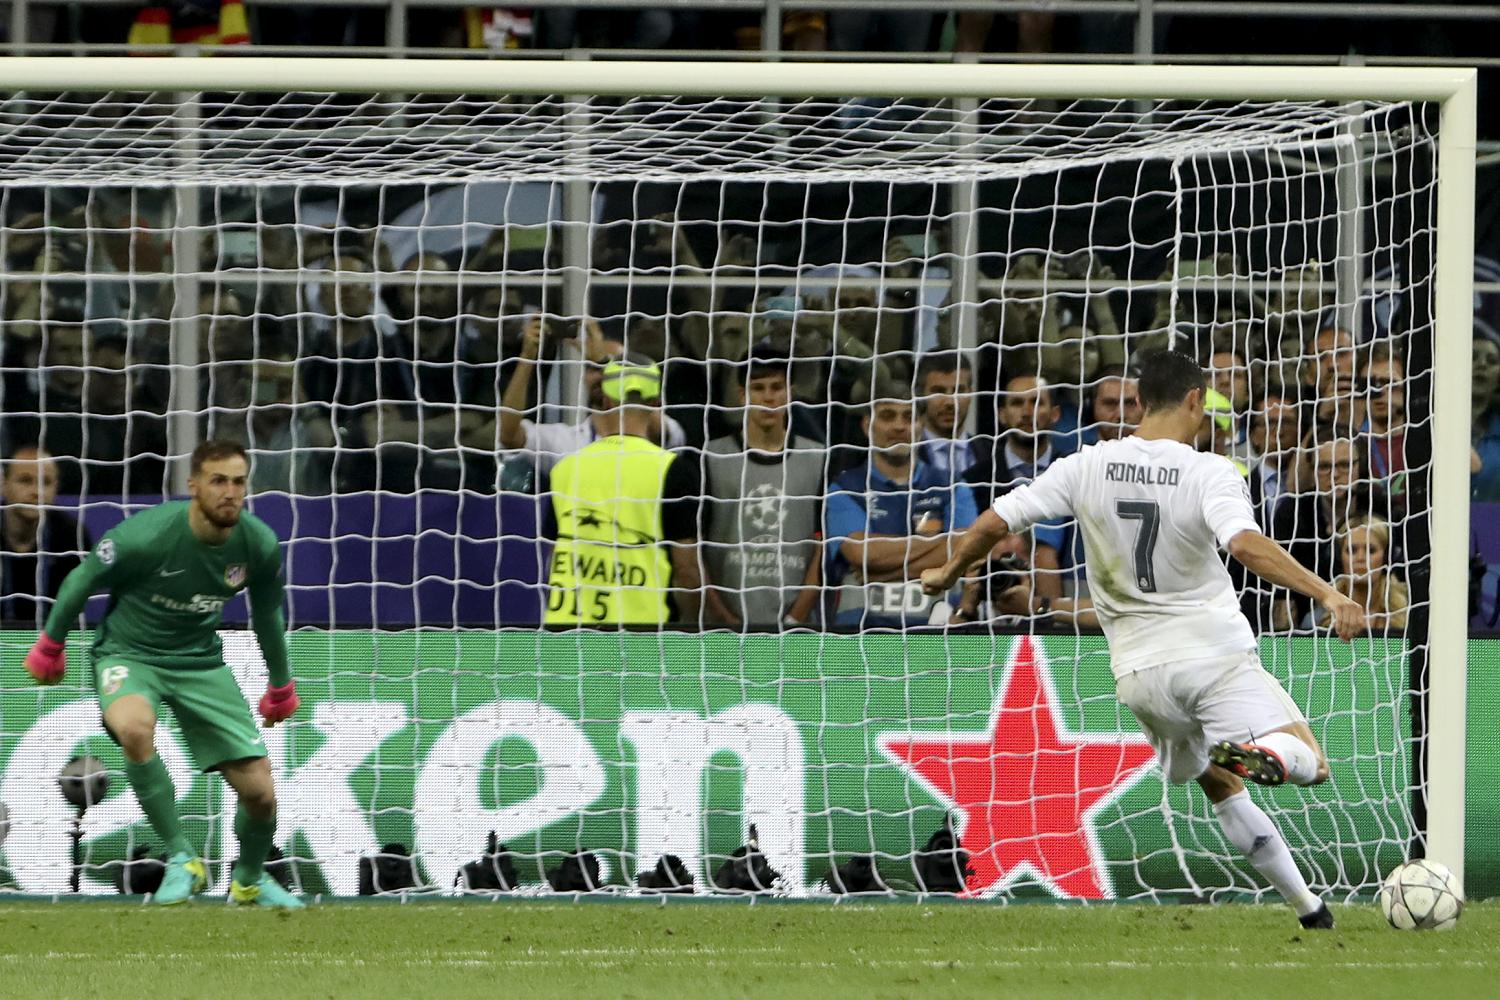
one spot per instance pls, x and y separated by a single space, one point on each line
453 951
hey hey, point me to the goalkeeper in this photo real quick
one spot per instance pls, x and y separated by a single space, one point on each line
169 571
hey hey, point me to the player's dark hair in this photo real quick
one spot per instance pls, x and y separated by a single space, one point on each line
1166 378
215 449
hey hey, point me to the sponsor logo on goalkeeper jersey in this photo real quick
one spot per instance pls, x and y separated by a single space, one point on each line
198 604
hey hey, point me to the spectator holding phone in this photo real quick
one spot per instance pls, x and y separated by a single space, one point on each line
552 442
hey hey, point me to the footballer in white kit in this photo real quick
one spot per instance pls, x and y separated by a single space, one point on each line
1153 514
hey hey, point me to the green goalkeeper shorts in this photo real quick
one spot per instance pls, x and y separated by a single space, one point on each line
215 721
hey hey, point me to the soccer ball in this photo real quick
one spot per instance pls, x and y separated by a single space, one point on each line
84 782
1421 896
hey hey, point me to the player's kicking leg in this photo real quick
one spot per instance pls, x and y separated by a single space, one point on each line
1180 707
132 719
255 826
1237 704
1290 753
1248 828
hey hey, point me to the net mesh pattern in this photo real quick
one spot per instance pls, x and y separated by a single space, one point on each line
322 138
407 311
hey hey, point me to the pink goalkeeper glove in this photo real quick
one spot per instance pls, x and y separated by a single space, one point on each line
46 662
279 703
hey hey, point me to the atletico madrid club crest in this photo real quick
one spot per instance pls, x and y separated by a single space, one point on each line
234 575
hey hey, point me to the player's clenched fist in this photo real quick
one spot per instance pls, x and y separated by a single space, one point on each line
46 662
1346 616
279 703
938 580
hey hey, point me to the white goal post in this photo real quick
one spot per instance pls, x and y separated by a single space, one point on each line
1452 90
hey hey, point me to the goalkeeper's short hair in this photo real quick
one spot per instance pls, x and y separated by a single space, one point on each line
216 449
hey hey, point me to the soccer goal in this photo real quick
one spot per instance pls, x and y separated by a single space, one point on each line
371 271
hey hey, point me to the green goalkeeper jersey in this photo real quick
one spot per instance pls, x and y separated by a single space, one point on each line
168 590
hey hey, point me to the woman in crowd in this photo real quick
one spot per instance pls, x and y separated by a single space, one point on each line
1364 548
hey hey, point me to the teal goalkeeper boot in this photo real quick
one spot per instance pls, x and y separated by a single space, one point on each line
185 876
267 892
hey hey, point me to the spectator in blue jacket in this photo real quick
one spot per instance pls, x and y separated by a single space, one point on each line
887 520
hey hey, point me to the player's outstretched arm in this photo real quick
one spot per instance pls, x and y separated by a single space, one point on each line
267 593
46 662
973 545
1268 560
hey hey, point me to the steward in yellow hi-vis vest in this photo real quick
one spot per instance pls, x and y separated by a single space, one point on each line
627 513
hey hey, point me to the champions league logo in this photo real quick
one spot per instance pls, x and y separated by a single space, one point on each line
234 575
763 509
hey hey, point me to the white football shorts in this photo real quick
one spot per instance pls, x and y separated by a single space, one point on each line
1186 707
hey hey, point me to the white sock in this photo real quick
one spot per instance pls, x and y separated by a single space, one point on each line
1301 763
1251 830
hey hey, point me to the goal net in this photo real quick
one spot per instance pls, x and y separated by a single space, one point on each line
833 330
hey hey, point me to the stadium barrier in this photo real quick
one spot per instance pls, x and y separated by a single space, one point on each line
395 559
388 560
635 745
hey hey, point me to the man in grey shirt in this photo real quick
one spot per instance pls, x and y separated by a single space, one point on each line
765 488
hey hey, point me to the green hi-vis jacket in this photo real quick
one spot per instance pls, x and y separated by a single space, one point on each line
609 566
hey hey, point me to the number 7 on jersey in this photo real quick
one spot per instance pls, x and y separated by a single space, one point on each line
1149 514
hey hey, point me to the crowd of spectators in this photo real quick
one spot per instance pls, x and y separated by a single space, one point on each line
839 434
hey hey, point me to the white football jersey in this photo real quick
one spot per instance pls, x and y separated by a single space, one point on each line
1151 514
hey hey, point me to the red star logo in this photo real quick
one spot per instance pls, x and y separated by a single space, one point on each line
1027 789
